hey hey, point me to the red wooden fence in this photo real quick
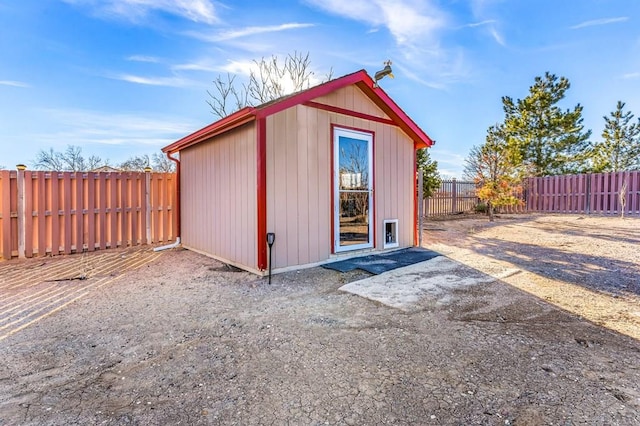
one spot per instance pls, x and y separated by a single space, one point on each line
588 193
50 213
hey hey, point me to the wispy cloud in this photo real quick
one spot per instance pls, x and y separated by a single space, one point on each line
81 127
497 36
247 31
242 67
631 75
596 22
418 79
409 21
135 10
195 66
14 83
481 23
450 164
154 81
143 58
416 26
491 25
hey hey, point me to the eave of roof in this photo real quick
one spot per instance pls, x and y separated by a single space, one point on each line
360 78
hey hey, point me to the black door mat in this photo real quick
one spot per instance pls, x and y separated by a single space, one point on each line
379 263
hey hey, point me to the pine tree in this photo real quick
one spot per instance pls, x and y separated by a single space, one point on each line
547 139
431 176
620 148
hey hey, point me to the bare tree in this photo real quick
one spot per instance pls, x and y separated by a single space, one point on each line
162 164
622 196
271 79
69 160
136 163
156 161
72 160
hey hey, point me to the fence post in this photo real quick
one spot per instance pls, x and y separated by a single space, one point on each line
454 196
22 229
587 208
420 201
147 200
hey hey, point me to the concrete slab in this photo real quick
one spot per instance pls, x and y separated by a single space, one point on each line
404 288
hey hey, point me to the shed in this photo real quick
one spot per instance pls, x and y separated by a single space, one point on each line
330 170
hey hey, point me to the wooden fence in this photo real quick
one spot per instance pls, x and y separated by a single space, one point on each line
453 197
584 194
50 213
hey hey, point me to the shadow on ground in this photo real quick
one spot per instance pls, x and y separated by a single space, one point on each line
593 272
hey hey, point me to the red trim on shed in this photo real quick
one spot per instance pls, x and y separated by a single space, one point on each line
333 190
232 121
261 173
385 103
415 195
349 112
333 182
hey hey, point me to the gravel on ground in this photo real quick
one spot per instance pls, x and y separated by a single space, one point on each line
184 339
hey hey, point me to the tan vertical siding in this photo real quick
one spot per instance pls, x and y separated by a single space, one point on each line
219 196
299 181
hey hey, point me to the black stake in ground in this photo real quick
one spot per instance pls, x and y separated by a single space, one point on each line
271 238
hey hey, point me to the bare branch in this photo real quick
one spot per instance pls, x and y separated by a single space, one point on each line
162 164
270 78
135 163
219 100
48 160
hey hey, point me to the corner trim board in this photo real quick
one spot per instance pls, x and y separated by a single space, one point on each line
261 191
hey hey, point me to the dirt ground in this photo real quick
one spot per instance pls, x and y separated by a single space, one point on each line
184 339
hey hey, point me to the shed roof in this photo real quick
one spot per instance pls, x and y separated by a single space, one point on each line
360 78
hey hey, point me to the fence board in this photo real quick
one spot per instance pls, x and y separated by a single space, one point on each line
634 188
66 212
91 211
102 210
5 210
113 214
28 217
145 217
79 212
165 216
54 180
39 184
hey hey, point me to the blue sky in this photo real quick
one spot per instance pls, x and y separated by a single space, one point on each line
127 77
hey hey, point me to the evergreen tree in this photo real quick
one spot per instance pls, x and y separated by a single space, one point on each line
431 176
620 148
547 139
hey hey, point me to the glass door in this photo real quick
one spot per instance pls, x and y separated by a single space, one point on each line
353 189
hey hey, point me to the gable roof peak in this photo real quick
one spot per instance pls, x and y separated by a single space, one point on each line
359 78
